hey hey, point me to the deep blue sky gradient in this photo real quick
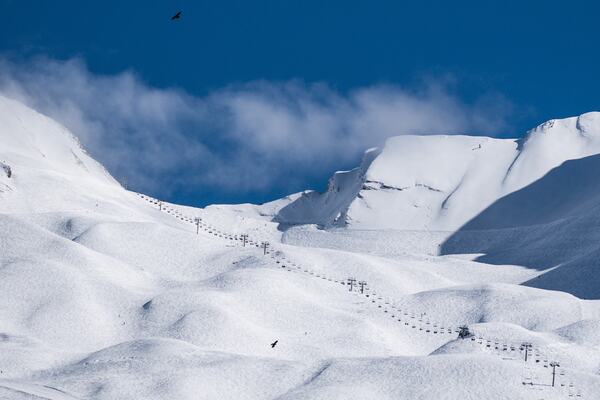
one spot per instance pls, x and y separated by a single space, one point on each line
542 55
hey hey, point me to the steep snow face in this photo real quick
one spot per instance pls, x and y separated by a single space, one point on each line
31 138
551 224
422 182
552 143
441 182
39 156
331 207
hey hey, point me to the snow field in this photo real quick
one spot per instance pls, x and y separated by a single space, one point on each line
507 349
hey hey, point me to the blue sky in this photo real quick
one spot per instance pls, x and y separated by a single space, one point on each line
217 107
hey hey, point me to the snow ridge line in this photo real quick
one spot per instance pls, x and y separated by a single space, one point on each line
409 318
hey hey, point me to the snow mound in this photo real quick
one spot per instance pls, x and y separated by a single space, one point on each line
585 332
530 308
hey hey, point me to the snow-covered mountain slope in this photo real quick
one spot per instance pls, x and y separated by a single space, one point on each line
39 158
532 202
30 139
441 182
551 225
106 294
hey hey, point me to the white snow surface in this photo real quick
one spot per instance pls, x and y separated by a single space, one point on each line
109 294
441 182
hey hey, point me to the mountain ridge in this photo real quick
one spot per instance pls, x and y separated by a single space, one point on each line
464 175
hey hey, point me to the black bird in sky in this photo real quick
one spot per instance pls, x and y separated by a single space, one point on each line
176 16
274 343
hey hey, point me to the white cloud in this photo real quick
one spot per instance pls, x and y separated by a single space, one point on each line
258 137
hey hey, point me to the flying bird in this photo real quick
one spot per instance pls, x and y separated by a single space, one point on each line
274 343
176 16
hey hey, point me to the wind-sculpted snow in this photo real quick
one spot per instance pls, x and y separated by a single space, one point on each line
108 294
329 208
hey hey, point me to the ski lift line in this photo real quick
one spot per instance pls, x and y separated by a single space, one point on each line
480 339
